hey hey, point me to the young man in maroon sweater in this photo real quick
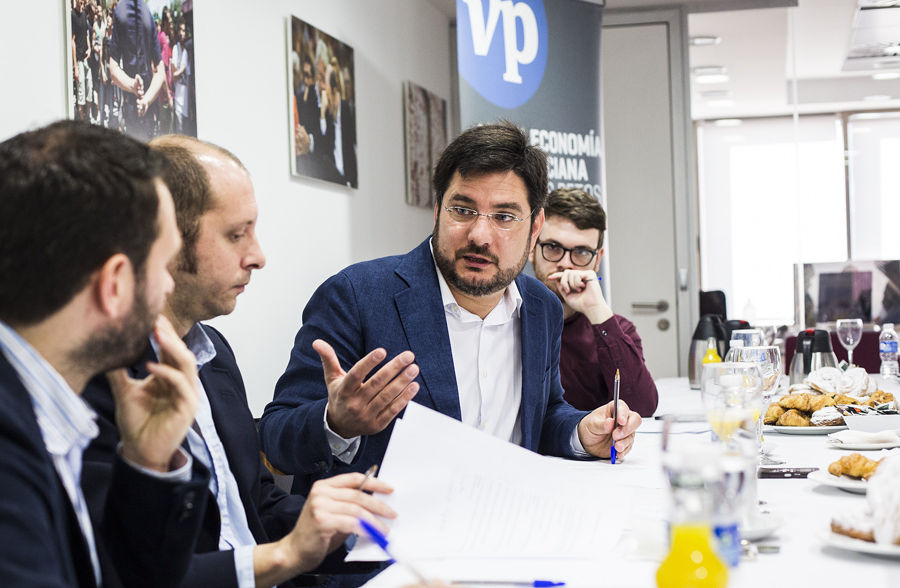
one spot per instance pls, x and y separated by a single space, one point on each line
595 341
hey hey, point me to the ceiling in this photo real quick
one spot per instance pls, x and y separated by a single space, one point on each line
782 56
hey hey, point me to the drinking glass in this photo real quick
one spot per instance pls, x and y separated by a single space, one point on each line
732 397
748 337
769 361
849 332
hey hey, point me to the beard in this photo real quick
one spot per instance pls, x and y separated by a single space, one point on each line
476 287
120 345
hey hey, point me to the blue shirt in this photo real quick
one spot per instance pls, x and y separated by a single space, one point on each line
207 447
67 423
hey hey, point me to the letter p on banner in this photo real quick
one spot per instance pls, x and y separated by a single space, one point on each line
502 48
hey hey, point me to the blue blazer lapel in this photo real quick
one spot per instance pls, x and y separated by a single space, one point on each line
425 326
534 362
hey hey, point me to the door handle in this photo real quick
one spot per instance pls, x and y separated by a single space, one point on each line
660 306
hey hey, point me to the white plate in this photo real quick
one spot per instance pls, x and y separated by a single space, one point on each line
858 545
807 430
863 446
844 483
764 525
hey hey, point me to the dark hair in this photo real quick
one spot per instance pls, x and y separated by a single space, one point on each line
189 183
71 196
494 148
578 206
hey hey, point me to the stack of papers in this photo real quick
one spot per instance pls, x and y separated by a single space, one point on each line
465 497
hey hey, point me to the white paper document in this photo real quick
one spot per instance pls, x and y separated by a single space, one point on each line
460 493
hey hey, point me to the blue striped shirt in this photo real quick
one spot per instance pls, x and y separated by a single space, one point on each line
67 424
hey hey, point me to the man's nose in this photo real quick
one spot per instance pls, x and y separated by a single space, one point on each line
481 231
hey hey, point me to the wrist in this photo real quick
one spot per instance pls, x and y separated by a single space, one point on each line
133 454
598 314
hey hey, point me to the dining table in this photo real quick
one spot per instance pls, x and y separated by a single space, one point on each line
793 544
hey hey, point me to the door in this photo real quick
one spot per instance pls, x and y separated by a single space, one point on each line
646 185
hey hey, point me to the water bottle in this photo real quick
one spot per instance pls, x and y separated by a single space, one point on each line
887 349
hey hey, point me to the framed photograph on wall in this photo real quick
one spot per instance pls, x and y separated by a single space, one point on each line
322 105
425 124
130 65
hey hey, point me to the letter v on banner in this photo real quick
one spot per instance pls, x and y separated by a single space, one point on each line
505 68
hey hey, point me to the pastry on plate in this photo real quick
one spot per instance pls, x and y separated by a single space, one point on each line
773 413
879 520
793 418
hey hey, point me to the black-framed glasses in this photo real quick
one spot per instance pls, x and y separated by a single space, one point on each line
499 220
580 256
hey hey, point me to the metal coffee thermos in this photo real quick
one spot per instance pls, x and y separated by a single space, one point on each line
813 352
710 325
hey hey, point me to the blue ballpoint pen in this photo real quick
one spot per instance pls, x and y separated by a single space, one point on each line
382 542
612 449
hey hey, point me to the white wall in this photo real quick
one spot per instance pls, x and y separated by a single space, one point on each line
308 229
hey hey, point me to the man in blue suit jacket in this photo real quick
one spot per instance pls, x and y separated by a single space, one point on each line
469 336
254 534
88 232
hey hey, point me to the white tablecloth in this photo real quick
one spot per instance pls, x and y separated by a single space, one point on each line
804 506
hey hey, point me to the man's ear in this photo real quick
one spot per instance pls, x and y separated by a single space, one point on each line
114 285
536 228
598 259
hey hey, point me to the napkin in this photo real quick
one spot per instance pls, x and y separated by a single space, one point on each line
850 436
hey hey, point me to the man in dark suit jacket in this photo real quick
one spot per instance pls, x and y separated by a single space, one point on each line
254 533
437 301
88 232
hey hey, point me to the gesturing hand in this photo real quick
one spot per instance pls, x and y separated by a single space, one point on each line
153 414
364 408
597 433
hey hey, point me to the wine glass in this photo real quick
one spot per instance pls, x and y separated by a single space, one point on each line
849 332
743 338
768 359
732 397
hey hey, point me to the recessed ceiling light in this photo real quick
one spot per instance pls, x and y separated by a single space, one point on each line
728 122
705 40
715 94
701 70
876 98
711 79
886 75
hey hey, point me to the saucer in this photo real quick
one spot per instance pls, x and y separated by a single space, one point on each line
764 524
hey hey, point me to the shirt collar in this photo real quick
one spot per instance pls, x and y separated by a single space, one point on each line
198 342
508 307
200 345
65 420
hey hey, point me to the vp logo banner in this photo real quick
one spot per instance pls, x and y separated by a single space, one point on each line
502 48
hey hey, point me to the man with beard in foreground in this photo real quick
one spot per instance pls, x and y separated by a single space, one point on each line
88 230
468 335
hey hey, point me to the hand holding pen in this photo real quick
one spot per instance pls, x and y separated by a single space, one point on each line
611 426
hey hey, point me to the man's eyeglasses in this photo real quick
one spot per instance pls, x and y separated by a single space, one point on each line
580 256
499 220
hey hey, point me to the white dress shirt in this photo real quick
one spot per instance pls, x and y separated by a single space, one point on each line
235 532
487 360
